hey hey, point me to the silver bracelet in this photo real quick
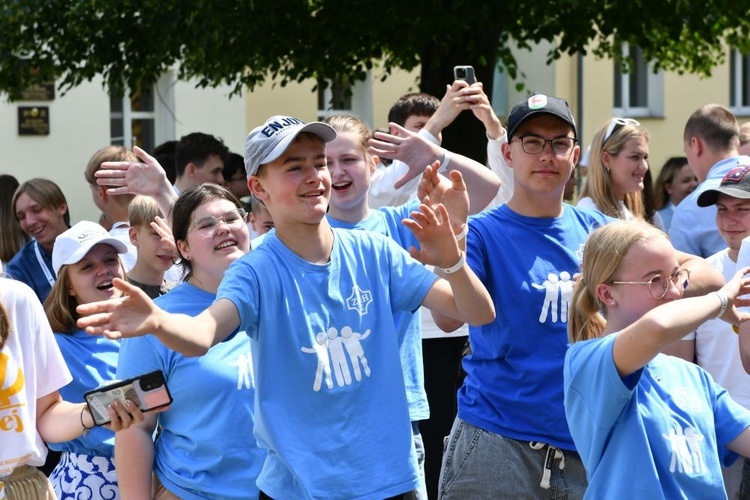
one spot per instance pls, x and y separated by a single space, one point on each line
455 267
724 303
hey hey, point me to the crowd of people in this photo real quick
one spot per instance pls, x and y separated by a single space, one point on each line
346 314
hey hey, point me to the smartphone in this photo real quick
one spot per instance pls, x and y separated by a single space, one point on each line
464 73
149 391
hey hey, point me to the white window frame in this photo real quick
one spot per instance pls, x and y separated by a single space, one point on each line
361 101
162 115
738 83
654 92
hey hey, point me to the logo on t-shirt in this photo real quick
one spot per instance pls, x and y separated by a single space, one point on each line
558 290
245 373
687 450
339 355
359 300
11 383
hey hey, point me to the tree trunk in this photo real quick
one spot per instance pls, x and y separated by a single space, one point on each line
466 135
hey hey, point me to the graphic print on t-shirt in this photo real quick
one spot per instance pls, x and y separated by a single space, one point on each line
558 290
11 383
335 352
687 453
245 373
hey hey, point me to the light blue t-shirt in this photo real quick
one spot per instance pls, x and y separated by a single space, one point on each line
387 221
513 385
693 228
92 361
660 432
206 448
331 404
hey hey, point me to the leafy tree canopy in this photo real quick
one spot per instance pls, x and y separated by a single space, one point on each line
241 43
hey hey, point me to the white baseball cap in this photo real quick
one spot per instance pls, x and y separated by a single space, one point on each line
268 142
73 245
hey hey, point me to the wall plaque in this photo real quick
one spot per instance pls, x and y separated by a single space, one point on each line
33 120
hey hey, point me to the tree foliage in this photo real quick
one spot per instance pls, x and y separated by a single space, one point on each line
241 43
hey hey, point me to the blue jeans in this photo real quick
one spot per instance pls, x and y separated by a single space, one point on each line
480 464
421 491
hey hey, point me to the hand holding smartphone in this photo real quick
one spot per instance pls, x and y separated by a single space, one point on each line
148 391
465 73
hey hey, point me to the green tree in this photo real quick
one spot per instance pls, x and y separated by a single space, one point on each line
242 43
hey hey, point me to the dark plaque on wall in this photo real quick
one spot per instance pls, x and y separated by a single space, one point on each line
39 92
33 120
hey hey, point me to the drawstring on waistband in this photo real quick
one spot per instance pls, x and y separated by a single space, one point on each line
553 454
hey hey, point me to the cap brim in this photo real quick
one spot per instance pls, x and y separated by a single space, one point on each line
538 112
81 251
710 196
322 130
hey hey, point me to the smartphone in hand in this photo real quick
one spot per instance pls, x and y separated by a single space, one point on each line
148 391
464 73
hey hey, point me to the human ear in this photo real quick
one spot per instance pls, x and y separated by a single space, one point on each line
506 154
256 187
183 249
604 294
133 235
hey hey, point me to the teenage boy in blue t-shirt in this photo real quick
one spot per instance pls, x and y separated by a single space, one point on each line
318 305
510 438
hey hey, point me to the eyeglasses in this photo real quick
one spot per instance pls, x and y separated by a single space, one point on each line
534 145
658 285
616 123
207 226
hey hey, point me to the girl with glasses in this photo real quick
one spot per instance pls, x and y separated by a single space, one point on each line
618 164
647 425
213 394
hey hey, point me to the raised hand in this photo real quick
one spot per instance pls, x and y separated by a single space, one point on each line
162 228
132 315
412 149
438 245
435 189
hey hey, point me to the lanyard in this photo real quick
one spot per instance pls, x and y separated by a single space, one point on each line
43 264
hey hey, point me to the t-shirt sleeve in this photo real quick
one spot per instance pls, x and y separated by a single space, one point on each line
53 373
405 269
241 287
594 391
139 355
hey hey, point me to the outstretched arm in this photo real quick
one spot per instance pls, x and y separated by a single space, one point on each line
147 178
135 314
640 342
417 152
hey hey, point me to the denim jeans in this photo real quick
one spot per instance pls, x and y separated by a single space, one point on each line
421 491
479 464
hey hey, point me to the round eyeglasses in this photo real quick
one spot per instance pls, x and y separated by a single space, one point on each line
207 226
658 285
534 145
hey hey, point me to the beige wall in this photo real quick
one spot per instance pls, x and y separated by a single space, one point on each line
683 94
79 126
299 100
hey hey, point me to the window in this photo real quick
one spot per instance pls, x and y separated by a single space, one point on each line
341 97
639 91
144 119
739 83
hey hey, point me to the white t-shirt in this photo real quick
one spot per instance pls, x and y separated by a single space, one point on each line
717 346
32 367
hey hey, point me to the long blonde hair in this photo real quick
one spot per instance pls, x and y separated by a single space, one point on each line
602 256
599 183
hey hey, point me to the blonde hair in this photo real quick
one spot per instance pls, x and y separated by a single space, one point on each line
107 153
351 123
142 211
599 183
60 306
602 256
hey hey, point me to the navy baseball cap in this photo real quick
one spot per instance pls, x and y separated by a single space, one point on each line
539 104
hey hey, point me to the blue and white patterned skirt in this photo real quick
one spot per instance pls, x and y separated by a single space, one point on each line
85 477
